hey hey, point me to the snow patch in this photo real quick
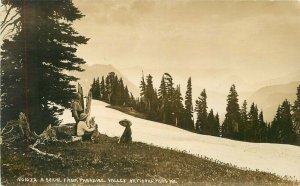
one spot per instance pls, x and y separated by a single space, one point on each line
283 160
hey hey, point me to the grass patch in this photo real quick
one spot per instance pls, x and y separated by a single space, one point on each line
110 160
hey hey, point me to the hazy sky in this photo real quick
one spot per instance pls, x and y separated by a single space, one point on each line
216 42
257 40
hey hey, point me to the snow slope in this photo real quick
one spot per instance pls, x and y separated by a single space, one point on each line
283 160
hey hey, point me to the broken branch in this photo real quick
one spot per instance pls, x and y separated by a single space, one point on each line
33 147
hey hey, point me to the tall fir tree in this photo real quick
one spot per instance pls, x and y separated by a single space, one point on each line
120 92
189 122
97 90
286 124
149 93
253 130
102 89
274 130
162 96
230 127
263 129
217 123
178 108
109 86
244 129
151 99
93 88
166 99
201 110
127 97
210 127
296 116
115 91
33 79
142 94
282 130
169 108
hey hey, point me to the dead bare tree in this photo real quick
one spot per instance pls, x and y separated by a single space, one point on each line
12 20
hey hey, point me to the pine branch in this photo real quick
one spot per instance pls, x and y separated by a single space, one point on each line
16 26
11 23
4 23
6 16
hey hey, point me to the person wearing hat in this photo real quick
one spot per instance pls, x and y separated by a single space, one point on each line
126 136
82 129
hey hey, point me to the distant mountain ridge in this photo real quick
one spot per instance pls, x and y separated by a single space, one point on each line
94 71
268 98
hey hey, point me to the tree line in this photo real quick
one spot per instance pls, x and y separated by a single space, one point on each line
111 89
241 124
167 105
164 104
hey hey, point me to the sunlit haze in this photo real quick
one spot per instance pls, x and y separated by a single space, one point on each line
218 43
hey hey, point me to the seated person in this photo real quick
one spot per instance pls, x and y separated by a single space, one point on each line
126 136
82 129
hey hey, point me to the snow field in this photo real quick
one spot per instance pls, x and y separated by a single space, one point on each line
283 160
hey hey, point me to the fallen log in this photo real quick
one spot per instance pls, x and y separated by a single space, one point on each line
33 147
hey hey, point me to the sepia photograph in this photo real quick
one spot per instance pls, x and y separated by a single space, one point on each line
150 92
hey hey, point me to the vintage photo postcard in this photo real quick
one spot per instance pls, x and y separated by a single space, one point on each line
150 92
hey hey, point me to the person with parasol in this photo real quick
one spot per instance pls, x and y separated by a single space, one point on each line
126 136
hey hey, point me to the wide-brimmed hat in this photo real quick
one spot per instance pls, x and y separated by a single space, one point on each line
125 122
83 116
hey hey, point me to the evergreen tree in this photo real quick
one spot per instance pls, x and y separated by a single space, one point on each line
109 86
230 128
296 116
163 99
286 124
281 130
210 127
133 102
151 99
32 75
244 129
177 107
127 97
268 137
102 90
253 123
143 86
274 131
97 90
93 88
263 134
149 93
189 122
217 125
120 92
201 110
166 100
115 91
169 108
142 94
